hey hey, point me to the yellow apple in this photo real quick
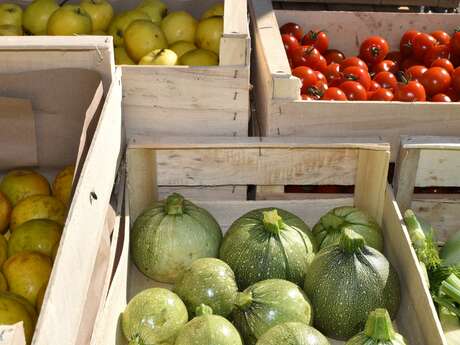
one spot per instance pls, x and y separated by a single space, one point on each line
36 16
182 47
20 184
199 57
69 20
179 26
164 57
141 37
121 22
209 32
213 11
10 14
100 11
122 57
10 30
155 9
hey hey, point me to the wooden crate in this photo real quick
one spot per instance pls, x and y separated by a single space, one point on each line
85 254
280 112
193 100
430 162
377 3
269 161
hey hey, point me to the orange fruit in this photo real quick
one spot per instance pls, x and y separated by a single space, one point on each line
62 185
5 213
19 184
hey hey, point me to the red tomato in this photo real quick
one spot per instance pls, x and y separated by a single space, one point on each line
374 86
406 43
321 77
382 95
394 56
435 80
317 39
314 92
415 72
292 29
333 74
290 44
353 61
387 80
358 74
322 64
452 94
386 66
307 77
441 37
409 62
444 63
456 80
354 91
306 56
307 98
374 49
334 94
410 91
455 59
436 52
455 43
333 55
440 97
421 44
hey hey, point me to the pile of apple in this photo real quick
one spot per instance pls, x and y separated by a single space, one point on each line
145 35
32 216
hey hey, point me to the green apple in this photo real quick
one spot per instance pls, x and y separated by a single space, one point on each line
155 9
100 11
121 22
10 14
182 47
216 10
10 30
199 57
122 57
69 20
209 32
160 57
143 36
36 16
179 26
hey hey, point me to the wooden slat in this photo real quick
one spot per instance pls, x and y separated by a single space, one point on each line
438 168
417 318
405 176
431 142
371 182
236 19
204 193
442 213
76 258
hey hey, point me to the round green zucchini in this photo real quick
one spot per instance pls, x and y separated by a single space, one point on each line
345 282
208 281
292 333
267 244
269 303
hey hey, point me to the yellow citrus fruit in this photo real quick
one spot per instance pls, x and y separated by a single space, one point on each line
5 213
19 184
3 283
215 10
12 311
38 207
29 307
26 273
40 298
209 33
3 249
36 235
62 185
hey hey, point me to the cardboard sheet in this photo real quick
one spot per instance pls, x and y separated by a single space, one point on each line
18 143
12 335
65 103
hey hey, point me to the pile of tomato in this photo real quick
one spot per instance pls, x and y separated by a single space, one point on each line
424 69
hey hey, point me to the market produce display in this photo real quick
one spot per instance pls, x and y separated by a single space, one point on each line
425 68
268 243
339 286
441 269
145 35
32 216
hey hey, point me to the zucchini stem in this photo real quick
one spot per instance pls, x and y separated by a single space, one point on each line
273 222
243 300
174 204
378 326
351 241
